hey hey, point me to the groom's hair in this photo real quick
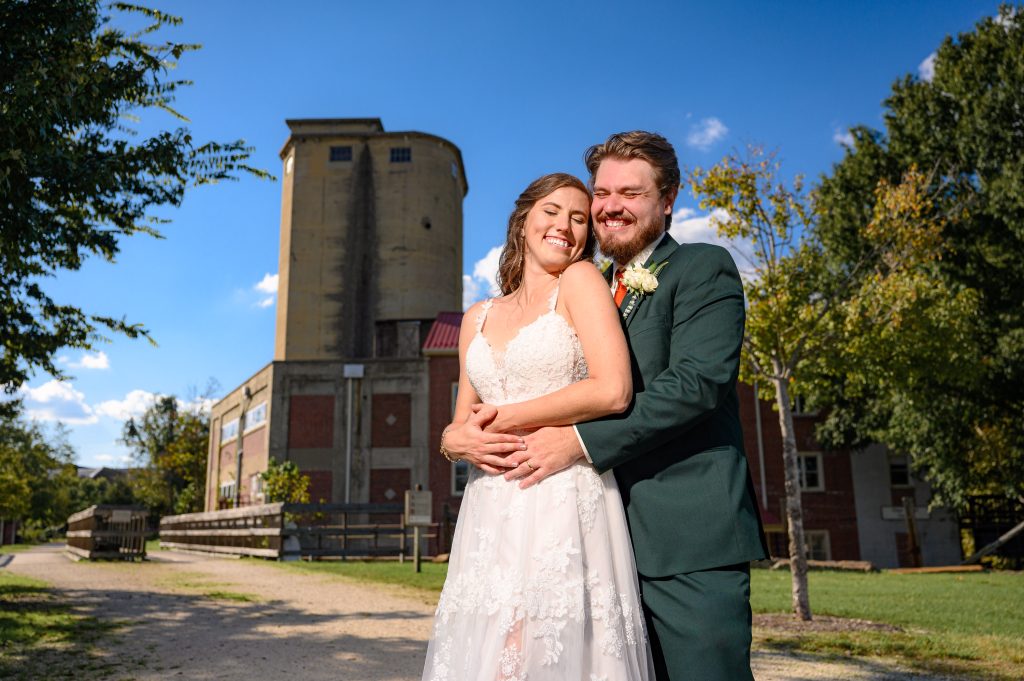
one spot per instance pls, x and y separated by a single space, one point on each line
646 146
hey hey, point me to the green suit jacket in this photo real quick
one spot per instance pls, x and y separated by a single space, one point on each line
677 452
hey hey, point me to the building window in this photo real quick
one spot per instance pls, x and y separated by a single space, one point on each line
227 490
401 154
818 545
899 472
256 487
460 476
455 170
341 154
796 405
256 417
229 431
812 478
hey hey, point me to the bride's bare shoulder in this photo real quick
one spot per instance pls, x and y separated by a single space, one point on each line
583 274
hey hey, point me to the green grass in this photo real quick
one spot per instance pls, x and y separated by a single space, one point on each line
959 624
38 634
429 581
195 583
16 548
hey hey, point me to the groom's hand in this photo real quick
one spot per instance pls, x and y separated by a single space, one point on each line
486 451
548 450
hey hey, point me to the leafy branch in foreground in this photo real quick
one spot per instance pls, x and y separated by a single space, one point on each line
74 178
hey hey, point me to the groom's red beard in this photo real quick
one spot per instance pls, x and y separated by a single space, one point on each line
621 250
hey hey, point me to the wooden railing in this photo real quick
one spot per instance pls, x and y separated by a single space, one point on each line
290 531
117 532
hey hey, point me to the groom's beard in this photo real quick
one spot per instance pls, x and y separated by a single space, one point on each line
621 250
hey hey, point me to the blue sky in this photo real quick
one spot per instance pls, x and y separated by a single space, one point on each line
522 88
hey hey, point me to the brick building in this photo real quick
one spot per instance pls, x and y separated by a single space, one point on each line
370 253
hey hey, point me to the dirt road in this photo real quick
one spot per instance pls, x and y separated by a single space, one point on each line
184 616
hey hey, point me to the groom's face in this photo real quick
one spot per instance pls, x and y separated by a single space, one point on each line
629 211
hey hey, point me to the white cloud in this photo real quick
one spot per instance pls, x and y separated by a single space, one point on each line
484 279
1006 20
688 227
134 404
843 137
97 361
267 286
707 132
105 459
57 401
926 69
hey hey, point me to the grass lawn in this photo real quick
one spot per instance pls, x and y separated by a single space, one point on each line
429 581
15 548
967 625
39 636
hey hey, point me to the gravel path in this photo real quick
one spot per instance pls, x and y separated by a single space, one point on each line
196 617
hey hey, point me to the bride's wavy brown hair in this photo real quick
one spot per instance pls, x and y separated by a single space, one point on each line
510 265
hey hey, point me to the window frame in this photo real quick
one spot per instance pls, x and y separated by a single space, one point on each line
820 467
401 155
827 542
344 152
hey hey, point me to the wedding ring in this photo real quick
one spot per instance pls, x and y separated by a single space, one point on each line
532 468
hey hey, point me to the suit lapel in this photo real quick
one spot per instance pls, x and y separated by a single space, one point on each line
632 301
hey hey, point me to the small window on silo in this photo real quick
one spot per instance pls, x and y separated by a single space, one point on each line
341 154
401 154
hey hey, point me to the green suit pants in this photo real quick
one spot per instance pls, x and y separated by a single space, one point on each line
699 624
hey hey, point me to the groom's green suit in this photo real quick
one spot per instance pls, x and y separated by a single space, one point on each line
677 454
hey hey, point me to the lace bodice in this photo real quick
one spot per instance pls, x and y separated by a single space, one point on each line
543 356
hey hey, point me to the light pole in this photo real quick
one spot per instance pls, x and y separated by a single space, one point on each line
246 398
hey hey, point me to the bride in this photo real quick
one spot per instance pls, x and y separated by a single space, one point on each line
541 583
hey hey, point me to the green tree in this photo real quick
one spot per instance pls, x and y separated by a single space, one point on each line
283 482
169 443
36 473
803 316
960 423
75 178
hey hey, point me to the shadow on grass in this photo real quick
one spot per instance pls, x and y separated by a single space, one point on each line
213 634
36 627
920 651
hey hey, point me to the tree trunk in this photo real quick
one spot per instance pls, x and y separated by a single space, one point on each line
794 507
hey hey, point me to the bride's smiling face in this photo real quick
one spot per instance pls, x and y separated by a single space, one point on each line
555 231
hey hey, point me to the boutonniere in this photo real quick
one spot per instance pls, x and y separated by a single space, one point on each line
640 281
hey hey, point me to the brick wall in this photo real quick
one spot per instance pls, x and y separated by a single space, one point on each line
832 509
391 420
320 483
310 421
443 372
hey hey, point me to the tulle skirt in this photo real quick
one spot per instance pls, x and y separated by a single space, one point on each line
541 585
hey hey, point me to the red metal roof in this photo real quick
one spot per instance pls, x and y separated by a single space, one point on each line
444 334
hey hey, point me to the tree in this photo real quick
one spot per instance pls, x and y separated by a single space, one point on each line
169 442
36 473
965 127
804 317
283 482
74 180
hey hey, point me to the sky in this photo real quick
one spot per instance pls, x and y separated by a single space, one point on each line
522 88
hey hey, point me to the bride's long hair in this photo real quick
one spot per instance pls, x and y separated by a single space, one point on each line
513 255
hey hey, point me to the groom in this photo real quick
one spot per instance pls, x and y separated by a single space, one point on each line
677 452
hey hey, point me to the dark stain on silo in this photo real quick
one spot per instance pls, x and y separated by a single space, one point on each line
355 332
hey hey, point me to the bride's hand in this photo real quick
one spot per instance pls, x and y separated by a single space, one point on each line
485 450
498 423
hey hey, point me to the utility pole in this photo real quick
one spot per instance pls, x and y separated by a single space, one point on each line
246 399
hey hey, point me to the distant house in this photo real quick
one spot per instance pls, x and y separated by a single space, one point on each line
102 472
852 501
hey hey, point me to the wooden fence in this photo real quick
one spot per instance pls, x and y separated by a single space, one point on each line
291 531
117 532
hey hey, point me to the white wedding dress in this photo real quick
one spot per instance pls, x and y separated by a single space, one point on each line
541 583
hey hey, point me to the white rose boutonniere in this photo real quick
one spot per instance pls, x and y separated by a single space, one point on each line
639 280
